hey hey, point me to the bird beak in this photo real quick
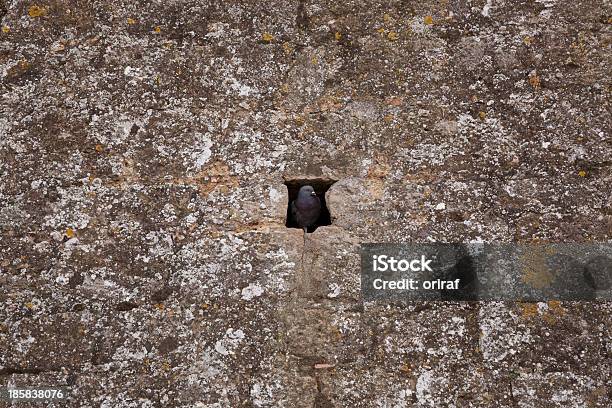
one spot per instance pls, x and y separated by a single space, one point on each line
314 194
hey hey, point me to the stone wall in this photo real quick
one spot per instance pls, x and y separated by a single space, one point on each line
144 150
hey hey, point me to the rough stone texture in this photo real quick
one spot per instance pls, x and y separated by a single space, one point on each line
144 259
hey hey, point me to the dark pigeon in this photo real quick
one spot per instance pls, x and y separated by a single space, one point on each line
306 208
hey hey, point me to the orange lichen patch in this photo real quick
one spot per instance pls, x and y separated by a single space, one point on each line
69 233
157 29
528 310
58 48
338 333
37 11
428 20
267 37
376 187
284 88
99 148
6 29
395 101
376 179
329 103
299 120
392 36
131 21
555 307
379 170
19 69
535 271
423 176
288 48
534 80
554 312
582 173
218 169
405 368
337 36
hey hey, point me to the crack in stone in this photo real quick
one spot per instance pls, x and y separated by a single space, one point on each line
301 18
3 10
17 370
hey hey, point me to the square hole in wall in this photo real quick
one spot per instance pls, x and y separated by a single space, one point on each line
320 186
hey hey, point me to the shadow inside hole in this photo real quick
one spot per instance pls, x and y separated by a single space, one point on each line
465 271
598 273
320 185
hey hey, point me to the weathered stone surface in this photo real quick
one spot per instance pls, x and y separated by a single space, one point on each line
144 259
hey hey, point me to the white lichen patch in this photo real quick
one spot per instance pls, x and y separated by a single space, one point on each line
196 156
252 291
499 335
230 342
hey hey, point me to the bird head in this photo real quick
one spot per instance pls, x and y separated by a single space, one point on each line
306 191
